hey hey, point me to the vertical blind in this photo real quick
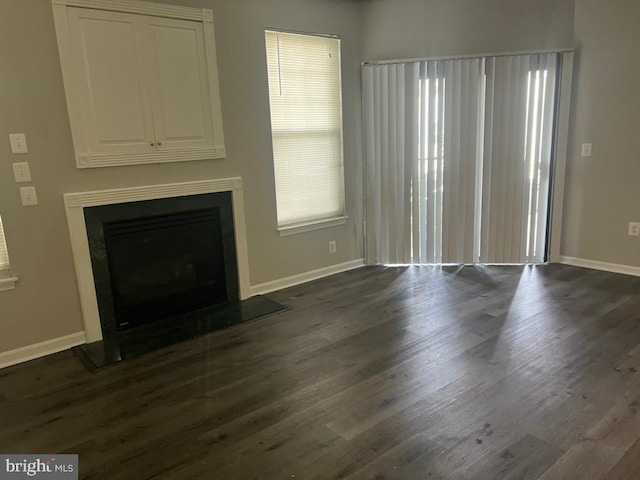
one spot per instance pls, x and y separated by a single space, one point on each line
4 255
458 158
422 127
521 92
305 95
462 160
390 120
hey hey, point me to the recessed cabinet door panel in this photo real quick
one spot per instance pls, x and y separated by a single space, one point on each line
108 63
179 85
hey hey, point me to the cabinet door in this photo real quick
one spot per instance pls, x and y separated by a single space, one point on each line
179 84
108 67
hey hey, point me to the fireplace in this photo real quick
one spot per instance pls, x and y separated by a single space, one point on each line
165 265
161 259
160 264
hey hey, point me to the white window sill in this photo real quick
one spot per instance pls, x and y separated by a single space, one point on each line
8 283
310 226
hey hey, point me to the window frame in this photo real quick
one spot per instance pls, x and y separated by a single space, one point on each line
286 229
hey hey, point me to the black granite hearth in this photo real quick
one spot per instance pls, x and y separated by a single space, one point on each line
137 341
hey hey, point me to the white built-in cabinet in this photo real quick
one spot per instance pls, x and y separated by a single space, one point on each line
141 81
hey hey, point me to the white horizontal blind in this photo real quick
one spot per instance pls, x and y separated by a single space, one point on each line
4 255
305 95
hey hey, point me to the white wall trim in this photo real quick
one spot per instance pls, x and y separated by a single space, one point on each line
91 161
294 280
8 283
76 202
310 226
142 8
562 144
596 265
55 345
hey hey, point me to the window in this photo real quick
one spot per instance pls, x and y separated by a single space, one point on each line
6 282
305 94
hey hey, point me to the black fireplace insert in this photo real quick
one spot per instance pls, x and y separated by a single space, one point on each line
163 258
165 265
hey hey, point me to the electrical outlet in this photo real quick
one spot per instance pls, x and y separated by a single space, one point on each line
634 229
587 149
332 246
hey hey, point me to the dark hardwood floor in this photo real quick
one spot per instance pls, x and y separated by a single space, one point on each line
378 373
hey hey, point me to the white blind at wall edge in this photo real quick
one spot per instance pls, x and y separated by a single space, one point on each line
306 121
4 255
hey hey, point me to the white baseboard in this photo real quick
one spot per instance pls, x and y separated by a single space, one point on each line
595 265
294 280
24 354
55 345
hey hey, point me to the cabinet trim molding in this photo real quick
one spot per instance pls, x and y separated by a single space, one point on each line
92 161
142 7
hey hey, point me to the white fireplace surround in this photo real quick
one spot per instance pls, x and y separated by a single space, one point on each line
76 202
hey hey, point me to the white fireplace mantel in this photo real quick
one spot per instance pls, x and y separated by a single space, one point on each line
76 202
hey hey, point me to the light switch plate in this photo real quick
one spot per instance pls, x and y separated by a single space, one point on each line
18 143
587 149
21 172
28 196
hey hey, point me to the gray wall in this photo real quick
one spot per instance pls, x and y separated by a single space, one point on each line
395 29
45 304
603 192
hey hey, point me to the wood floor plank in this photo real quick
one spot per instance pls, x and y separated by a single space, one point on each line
526 459
628 466
595 454
409 459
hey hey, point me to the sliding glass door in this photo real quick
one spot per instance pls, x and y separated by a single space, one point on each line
458 156
519 128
